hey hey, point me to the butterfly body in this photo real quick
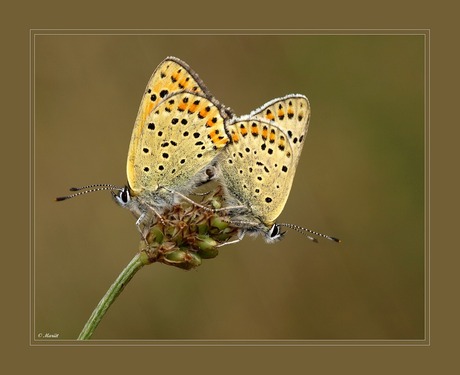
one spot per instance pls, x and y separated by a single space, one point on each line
178 132
258 166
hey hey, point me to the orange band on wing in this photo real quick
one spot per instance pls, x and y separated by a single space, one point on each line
219 142
192 108
264 132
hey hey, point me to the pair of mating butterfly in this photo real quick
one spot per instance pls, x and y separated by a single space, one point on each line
184 137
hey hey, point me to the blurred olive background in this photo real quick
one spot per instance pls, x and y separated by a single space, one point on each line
360 178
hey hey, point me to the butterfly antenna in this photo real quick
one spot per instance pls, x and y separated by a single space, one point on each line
94 186
91 189
304 231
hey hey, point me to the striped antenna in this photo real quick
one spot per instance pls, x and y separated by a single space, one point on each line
304 231
90 189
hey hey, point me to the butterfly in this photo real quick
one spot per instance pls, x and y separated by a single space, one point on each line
259 165
178 132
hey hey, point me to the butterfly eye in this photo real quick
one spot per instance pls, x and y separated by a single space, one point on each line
124 195
274 232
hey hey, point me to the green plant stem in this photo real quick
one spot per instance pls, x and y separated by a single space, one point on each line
139 260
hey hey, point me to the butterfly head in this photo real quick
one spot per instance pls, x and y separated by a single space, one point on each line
273 233
128 199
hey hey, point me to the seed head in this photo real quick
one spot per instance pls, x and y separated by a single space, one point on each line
189 233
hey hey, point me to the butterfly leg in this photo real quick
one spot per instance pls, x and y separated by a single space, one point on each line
143 224
240 237
228 208
204 207
146 220
201 194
